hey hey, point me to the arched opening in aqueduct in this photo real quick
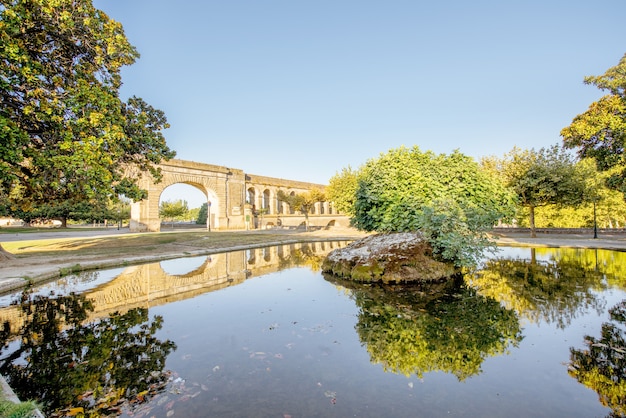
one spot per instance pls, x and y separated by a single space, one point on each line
195 195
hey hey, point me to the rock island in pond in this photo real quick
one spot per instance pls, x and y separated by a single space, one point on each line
403 257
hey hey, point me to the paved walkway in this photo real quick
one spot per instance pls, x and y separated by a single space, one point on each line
71 233
613 241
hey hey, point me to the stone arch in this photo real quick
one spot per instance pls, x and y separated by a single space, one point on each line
145 213
200 187
205 186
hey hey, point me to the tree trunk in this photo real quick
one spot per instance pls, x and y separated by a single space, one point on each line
5 255
531 221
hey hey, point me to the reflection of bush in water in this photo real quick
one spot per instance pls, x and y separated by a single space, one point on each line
415 330
602 365
553 291
98 366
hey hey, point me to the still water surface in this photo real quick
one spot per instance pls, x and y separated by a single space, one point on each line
262 333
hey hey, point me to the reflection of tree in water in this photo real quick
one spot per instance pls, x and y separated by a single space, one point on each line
612 264
602 365
552 291
80 278
447 328
99 367
303 256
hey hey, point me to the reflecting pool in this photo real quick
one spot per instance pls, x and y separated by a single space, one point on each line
262 333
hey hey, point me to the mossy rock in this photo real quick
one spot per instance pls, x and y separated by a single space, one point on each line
404 257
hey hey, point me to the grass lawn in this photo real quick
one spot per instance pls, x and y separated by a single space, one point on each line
128 244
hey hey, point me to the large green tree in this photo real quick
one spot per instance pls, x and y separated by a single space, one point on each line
600 132
65 134
447 197
549 176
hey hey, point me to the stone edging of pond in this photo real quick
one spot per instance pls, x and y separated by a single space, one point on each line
54 270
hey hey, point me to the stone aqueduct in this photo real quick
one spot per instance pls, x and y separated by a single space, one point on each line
236 200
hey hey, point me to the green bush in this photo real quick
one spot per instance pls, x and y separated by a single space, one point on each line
447 197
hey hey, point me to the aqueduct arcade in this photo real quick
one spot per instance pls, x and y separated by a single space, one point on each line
236 200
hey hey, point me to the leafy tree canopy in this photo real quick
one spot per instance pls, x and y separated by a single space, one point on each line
600 132
65 134
173 209
550 176
341 190
607 204
448 197
203 214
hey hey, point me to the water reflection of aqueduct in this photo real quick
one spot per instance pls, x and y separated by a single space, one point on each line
150 285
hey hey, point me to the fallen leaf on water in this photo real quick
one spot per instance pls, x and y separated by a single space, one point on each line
170 413
75 411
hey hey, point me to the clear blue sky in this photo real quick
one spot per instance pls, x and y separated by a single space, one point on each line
299 89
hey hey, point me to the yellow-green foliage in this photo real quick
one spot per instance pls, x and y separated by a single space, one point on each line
601 365
536 290
410 333
610 210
